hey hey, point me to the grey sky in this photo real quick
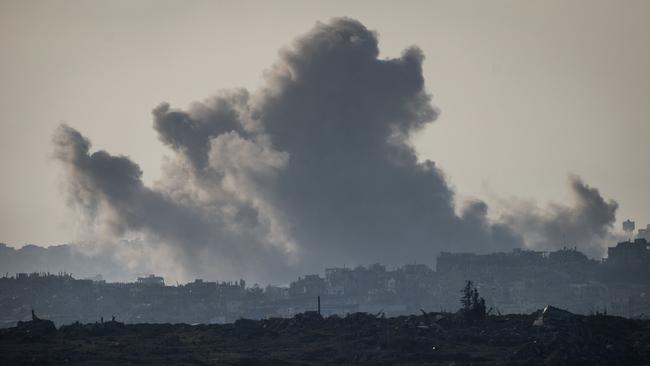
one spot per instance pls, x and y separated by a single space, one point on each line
528 91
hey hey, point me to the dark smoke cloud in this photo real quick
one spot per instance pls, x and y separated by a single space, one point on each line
190 133
314 169
586 223
109 191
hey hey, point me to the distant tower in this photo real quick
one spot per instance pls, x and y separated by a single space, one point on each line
628 227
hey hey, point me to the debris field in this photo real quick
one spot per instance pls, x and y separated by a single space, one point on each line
549 337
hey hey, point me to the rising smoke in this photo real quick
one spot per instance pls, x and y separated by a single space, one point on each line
314 169
586 223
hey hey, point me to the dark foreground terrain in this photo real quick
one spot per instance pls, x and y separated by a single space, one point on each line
557 338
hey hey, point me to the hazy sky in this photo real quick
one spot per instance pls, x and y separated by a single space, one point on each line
528 91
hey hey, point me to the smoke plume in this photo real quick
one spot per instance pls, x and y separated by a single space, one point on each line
586 223
314 169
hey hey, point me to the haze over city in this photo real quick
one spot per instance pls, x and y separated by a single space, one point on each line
267 140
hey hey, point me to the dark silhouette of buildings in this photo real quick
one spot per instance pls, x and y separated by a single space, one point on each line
520 281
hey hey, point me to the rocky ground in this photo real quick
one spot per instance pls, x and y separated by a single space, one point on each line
553 338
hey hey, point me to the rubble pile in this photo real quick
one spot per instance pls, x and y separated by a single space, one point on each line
546 337
35 327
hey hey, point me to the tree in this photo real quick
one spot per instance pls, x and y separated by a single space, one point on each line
473 306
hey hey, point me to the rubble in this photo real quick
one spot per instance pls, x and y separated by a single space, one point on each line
554 317
36 326
40 327
430 338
